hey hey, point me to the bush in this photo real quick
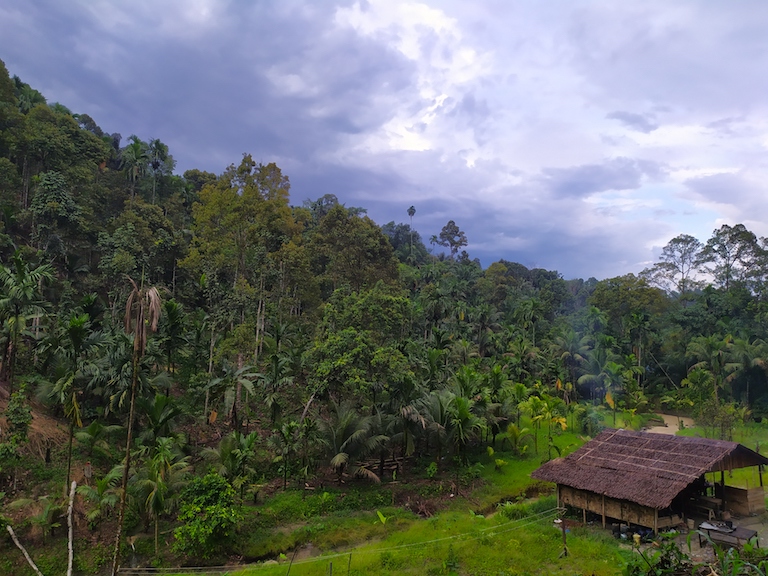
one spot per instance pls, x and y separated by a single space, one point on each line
208 515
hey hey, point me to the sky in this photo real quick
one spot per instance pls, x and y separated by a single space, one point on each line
577 136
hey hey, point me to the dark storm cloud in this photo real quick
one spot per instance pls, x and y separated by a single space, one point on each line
614 174
509 118
634 121
212 95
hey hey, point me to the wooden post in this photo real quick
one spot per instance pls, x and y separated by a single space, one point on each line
603 510
558 494
655 522
561 522
584 515
722 486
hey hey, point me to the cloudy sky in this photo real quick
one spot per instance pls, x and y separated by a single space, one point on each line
572 135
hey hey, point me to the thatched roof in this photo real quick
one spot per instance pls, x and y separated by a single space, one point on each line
649 469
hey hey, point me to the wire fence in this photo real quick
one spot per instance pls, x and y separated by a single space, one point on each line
487 532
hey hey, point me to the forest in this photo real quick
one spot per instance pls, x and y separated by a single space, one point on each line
185 345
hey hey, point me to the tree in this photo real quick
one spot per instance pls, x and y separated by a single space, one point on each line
134 159
678 265
78 342
233 458
157 156
163 477
348 438
20 301
142 314
411 212
350 250
451 237
464 425
729 254
208 517
713 354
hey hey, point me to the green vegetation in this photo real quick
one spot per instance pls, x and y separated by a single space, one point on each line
229 376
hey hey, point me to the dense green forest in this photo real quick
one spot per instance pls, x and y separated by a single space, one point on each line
182 324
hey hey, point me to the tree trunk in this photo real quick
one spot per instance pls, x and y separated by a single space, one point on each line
127 468
69 452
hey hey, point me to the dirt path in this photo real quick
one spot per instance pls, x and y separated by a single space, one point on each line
671 424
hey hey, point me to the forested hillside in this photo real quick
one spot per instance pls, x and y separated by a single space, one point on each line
176 324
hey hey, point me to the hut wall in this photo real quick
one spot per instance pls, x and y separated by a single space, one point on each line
744 501
623 510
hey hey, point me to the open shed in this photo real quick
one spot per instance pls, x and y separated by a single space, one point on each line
653 480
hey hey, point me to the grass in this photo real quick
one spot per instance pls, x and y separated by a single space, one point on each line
462 543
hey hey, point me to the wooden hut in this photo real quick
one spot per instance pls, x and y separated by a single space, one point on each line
653 480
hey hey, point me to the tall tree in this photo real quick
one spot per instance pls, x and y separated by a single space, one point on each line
142 314
21 300
729 254
451 237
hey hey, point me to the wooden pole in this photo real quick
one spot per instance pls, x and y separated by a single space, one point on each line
603 510
655 522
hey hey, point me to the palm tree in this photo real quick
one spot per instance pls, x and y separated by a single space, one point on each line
159 414
161 480
436 409
713 354
464 425
96 437
349 437
75 370
411 212
273 379
513 398
103 494
172 331
20 300
157 154
233 457
535 407
230 384
285 441
573 350
746 357
515 436
142 314
134 159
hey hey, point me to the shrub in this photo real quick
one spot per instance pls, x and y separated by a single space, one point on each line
208 515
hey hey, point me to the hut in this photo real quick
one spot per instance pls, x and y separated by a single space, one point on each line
654 480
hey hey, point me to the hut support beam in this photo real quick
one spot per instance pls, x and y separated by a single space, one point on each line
603 510
655 522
